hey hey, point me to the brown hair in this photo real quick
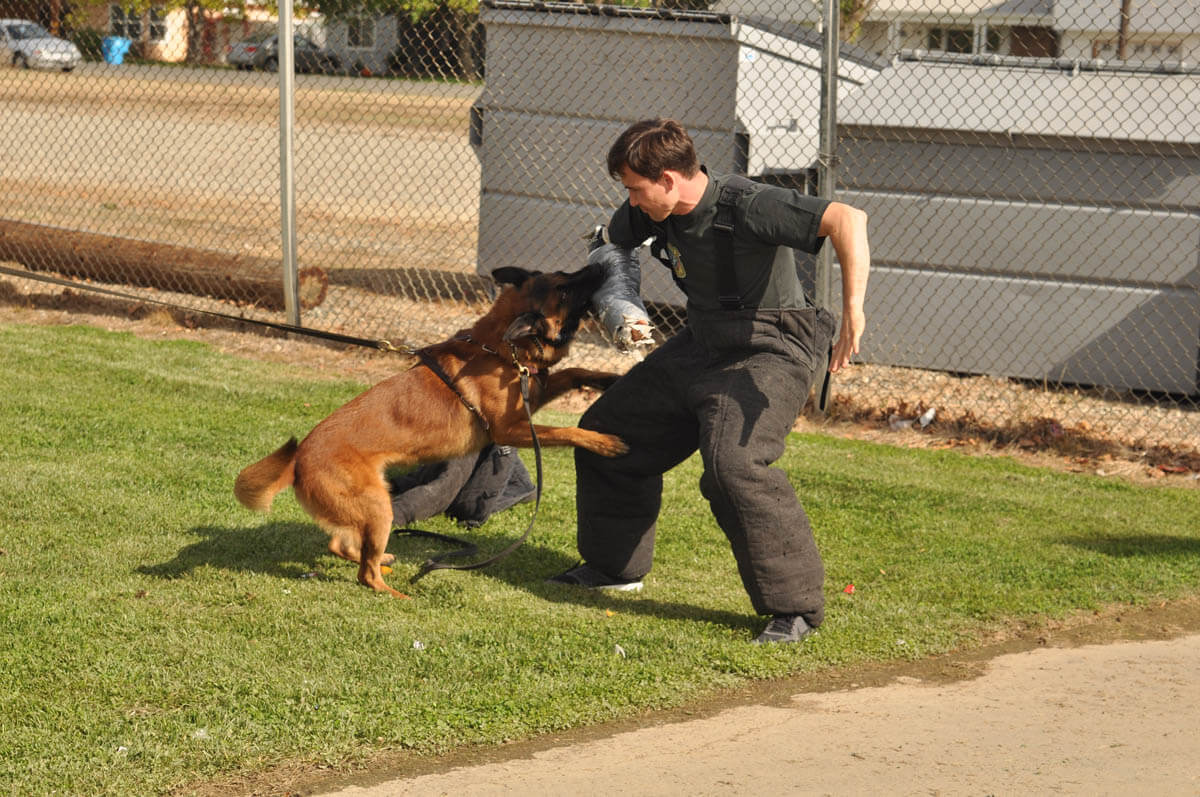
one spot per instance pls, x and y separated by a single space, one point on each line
652 146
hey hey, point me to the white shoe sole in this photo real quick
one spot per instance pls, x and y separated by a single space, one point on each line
632 586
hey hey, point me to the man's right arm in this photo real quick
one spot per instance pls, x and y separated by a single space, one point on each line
628 227
846 228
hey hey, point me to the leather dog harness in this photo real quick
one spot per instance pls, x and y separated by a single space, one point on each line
438 562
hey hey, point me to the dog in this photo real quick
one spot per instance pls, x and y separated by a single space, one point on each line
462 394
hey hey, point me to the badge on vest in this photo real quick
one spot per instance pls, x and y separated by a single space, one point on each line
676 261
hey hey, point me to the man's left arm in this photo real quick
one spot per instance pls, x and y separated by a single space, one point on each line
846 229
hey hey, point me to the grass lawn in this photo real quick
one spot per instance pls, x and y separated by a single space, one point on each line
157 634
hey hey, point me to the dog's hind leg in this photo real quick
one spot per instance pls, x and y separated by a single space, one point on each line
347 543
344 543
344 509
375 536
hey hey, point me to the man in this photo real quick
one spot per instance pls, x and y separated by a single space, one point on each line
730 384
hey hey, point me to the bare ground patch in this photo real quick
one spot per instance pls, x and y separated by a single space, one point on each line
1065 429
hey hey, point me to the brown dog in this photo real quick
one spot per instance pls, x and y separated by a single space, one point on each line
416 416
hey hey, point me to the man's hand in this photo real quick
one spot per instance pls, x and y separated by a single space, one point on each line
848 340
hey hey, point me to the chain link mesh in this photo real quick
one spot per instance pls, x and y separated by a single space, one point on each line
1031 170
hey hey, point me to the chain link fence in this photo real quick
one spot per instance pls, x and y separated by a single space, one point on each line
1031 170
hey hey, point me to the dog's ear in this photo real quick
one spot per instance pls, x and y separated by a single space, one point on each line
526 325
591 276
511 275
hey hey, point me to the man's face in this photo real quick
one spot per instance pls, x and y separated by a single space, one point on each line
656 198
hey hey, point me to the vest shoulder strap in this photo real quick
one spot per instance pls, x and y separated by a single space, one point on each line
731 193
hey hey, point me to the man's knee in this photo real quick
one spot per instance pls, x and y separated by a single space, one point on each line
734 471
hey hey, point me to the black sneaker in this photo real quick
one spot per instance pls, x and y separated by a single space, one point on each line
784 628
584 575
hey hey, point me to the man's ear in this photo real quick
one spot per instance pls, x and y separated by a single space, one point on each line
668 178
511 275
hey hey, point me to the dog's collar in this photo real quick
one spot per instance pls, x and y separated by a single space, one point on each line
465 337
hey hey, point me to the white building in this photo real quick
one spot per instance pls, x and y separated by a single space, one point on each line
1156 32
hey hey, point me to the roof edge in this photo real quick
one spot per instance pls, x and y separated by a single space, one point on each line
604 10
1073 65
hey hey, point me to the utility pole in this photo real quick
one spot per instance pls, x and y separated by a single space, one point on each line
1123 30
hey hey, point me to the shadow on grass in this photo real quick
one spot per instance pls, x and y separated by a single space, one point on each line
529 566
292 550
666 610
1156 545
286 550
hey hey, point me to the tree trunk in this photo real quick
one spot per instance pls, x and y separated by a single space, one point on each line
124 261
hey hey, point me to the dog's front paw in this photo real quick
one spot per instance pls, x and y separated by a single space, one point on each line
609 445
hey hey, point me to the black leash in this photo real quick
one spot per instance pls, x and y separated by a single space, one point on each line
465 548
435 562
826 382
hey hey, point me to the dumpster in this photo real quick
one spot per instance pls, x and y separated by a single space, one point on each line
113 48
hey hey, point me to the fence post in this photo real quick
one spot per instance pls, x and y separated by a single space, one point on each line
287 184
827 141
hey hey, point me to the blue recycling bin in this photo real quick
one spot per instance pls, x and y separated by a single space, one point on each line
113 48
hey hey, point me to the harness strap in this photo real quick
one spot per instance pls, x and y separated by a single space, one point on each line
427 360
735 187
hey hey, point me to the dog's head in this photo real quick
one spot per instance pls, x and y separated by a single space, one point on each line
548 306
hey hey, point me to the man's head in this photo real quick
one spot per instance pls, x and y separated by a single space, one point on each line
652 146
651 159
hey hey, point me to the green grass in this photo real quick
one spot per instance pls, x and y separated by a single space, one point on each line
156 634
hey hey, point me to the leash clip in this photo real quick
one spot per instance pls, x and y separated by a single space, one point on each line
523 371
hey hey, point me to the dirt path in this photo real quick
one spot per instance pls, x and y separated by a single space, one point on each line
1121 718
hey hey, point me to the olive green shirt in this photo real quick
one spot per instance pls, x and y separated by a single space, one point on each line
769 222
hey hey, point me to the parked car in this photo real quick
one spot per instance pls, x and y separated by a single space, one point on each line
29 45
262 52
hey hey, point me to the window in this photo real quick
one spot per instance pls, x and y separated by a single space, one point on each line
360 32
158 23
961 40
26 30
125 22
950 40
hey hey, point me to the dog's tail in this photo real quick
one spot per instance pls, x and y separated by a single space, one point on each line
258 484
